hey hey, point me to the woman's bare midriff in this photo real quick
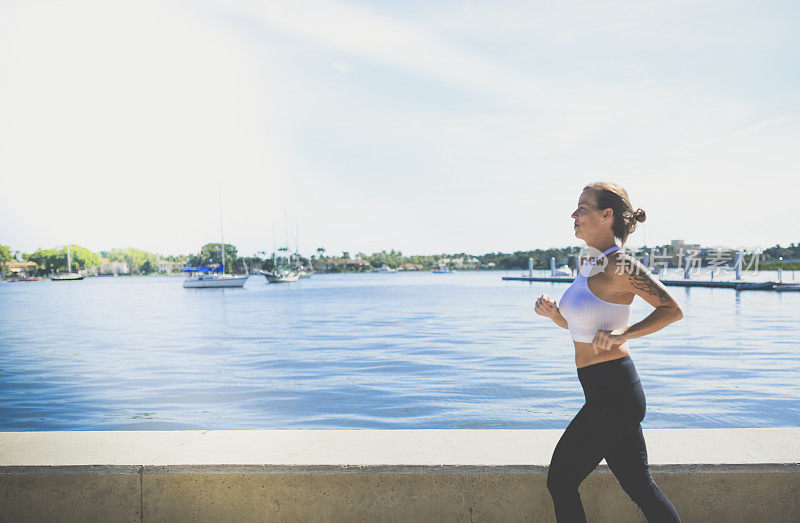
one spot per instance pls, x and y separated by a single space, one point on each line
584 355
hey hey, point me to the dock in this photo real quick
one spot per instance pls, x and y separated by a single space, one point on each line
738 285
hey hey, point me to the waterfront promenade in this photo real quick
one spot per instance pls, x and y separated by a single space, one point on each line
378 475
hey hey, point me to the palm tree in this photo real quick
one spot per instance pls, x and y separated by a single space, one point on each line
321 255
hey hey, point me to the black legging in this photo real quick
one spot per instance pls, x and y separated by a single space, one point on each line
607 426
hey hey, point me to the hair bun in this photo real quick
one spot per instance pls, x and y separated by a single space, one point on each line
640 215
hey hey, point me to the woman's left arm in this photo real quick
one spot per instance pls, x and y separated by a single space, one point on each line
632 276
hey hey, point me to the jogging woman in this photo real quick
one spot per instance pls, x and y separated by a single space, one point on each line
596 308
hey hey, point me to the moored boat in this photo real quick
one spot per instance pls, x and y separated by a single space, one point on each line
204 277
208 278
66 277
69 276
282 275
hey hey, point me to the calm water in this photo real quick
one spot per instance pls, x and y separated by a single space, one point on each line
370 351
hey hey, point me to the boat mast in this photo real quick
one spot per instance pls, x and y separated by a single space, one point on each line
221 233
286 234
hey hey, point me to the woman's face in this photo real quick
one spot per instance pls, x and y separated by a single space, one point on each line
587 216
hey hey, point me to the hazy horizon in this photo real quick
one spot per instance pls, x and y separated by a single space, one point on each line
353 253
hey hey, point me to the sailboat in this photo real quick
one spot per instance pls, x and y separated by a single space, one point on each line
207 277
69 276
280 276
213 278
284 273
301 270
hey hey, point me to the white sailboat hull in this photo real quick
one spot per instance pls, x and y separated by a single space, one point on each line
205 282
66 277
283 279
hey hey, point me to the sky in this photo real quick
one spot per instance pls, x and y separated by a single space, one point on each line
425 127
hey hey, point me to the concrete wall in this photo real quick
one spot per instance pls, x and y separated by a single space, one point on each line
378 475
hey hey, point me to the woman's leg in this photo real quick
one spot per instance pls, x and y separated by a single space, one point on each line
626 456
576 455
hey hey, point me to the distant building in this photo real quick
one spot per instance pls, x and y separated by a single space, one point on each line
680 244
168 267
21 269
462 262
109 268
345 264
410 267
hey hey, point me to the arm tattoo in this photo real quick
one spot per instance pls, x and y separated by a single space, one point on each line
642 281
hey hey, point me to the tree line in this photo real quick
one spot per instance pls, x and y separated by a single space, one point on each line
143 262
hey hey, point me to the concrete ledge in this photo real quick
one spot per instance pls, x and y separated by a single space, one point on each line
378 475
757 468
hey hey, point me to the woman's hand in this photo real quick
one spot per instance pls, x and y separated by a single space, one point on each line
545 306
607 340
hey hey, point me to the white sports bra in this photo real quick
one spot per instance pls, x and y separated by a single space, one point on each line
585 312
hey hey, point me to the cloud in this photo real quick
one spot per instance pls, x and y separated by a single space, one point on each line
392 41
